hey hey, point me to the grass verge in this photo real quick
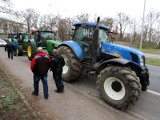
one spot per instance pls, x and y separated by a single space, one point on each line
12 106
152 61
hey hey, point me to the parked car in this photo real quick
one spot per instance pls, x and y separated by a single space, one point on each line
2 43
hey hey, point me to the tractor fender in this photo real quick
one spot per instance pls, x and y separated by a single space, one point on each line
75 48
118 61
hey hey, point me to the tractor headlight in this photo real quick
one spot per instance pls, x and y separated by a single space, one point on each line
142 61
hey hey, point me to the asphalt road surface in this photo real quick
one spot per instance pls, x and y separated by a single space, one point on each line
81 99
154 78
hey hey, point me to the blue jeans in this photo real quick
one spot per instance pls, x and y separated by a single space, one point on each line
58 81
44 82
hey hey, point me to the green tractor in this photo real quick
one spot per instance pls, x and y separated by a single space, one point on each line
44 39
22 41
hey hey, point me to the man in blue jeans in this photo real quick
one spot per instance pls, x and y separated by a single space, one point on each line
40 65
57 63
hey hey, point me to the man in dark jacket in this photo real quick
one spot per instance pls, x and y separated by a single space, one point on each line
9 48
57 63
40 65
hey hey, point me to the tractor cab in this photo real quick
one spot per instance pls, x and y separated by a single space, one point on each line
83 35
41 37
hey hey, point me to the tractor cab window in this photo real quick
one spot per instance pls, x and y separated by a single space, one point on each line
103 36
43 36
82 34
24 36
47 36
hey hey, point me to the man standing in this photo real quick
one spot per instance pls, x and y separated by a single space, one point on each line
9 48
40 65
57 63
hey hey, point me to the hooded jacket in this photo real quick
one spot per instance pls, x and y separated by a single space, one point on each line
40 64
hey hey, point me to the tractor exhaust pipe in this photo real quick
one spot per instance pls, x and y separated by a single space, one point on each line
95 45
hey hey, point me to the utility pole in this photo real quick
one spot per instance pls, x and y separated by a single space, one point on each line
142 25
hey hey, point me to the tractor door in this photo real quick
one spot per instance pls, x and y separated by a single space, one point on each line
83 36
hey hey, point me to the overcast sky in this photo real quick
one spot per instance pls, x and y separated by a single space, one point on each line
102 8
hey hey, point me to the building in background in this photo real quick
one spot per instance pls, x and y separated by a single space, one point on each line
10 26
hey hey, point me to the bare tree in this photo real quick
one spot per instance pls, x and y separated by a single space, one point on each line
42 23
108 21
133 28
151 18
83 17
5 6
51 21
30 17
158 33
64 28
123 20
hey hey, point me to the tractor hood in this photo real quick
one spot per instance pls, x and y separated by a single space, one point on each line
51 44
53 41
122 52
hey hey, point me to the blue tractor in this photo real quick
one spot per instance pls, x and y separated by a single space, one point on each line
121 71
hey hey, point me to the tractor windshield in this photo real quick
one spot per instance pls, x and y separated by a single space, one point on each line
87 33
24 36
47 36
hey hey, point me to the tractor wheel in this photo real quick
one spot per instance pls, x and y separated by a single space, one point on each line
31 51
119 86
73 67
20 50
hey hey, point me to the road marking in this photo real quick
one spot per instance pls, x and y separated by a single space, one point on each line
153 92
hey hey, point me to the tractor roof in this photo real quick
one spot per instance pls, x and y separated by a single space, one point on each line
91 24
18 33
44 31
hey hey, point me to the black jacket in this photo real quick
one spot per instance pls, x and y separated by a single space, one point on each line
57 63
9 47
40 64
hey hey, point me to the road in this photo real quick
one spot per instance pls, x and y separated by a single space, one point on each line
154 78
81 100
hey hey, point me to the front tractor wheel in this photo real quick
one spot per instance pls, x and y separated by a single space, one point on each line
73 67
119 86
31 51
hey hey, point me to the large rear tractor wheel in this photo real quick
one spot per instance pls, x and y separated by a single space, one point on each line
73 67
119 86
20 50
31 51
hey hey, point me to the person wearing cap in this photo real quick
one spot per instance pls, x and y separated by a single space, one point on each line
40 65
57 63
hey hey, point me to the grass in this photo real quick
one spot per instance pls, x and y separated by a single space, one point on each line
8 101
12 106
151 51
152 61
